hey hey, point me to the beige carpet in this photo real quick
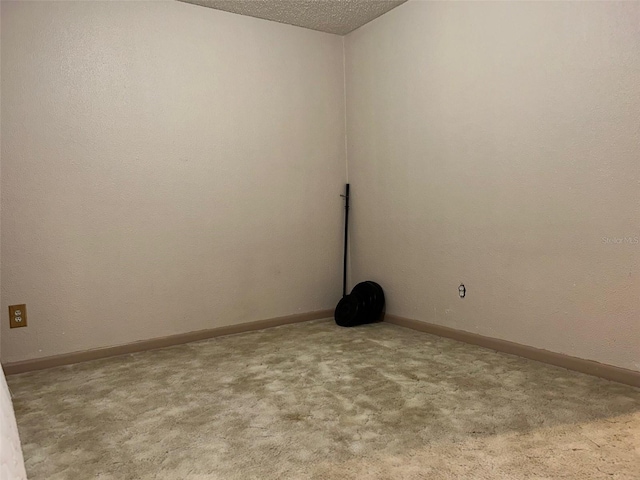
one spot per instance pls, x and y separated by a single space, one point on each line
315 401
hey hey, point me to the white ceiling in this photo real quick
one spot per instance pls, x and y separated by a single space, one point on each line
331 16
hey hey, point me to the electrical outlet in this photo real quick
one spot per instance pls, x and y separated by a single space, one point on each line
17 316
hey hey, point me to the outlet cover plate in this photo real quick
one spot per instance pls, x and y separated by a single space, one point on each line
17 316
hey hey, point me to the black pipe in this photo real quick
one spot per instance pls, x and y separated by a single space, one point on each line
346 245
366 301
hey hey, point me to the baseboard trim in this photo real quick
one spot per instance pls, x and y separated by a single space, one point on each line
608 372
161 342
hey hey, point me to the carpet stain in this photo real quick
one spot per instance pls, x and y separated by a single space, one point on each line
314 401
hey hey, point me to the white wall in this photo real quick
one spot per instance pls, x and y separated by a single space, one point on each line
498 144
11 460
168 168
165 168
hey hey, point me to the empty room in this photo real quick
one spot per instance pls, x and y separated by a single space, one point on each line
319 240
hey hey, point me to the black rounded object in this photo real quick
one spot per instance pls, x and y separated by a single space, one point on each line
363 305
364 292
347 310
379 297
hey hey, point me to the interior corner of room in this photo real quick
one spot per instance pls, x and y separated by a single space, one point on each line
160 176
171 173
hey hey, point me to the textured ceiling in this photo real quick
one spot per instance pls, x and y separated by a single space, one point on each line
332 16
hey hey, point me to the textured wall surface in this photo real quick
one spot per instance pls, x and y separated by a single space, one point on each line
165 168
498 144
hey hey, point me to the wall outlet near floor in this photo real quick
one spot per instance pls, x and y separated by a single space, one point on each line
17 316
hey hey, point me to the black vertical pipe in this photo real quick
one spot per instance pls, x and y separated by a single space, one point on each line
346 246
